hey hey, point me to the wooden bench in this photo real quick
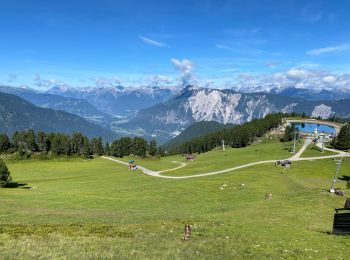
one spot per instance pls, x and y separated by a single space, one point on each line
341 223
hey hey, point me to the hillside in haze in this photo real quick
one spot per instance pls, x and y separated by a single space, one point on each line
74 106
18 114
195 130
116 100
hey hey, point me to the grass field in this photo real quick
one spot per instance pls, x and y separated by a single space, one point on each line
314 151
269 149
78 209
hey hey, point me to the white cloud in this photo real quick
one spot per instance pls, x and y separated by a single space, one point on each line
186 68
295 77
102 82
329 79
45 83
152 42
273 64
224 47
329 49
298 74
160 80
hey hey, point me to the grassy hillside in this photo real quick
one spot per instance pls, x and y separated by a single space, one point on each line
16 114
195 130
268 149
98 209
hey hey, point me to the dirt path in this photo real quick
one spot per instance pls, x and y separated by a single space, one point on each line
295 157
307 142
145 170
319 145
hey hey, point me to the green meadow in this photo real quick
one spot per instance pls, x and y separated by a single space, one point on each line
98 209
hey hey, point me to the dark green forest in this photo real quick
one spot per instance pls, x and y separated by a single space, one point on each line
237 136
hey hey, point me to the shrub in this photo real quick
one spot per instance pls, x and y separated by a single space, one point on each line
5 177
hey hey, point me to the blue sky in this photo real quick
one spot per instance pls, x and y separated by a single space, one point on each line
218 43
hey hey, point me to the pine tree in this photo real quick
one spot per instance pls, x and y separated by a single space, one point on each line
161 151
42 142
342 141
139 146
107 150
5 177
97 146
5 143
87 150
15 140
152 148
77 143
28 137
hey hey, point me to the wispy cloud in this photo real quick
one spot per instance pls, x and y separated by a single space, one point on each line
272 64
45 83
311 14
224 47
296 77
186 68
12 78
329 49
152 42
230 70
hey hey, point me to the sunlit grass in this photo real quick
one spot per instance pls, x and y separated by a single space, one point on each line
99 209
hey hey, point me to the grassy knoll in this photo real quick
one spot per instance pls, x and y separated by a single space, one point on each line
313 151
98 209
231 157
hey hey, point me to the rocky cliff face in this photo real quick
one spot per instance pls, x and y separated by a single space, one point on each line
193 104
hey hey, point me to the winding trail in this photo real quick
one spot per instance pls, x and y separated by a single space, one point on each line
295 157
147 171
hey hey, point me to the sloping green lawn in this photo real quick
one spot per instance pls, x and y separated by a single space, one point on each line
313 151
98 209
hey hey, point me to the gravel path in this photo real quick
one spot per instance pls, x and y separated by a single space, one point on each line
295 157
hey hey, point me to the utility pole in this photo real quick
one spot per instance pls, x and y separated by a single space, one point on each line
295 137
338 163
322 143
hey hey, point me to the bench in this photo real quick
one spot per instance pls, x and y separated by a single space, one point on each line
341 222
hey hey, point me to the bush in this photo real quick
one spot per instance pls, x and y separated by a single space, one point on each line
5 177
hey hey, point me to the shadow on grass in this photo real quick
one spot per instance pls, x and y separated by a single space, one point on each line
347 179
344 178
14 185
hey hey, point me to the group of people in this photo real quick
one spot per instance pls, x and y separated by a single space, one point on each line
132 166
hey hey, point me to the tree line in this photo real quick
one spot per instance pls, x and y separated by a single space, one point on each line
237 136
138 146
28 142
342 141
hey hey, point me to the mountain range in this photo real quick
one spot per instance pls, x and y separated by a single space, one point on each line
313 94
117 100
74 106
164 113
17 114
192 104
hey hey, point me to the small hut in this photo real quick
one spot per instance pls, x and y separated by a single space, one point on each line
190 157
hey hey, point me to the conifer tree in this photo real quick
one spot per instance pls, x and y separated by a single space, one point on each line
342 141
5 143
152 148
5 177
107 149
